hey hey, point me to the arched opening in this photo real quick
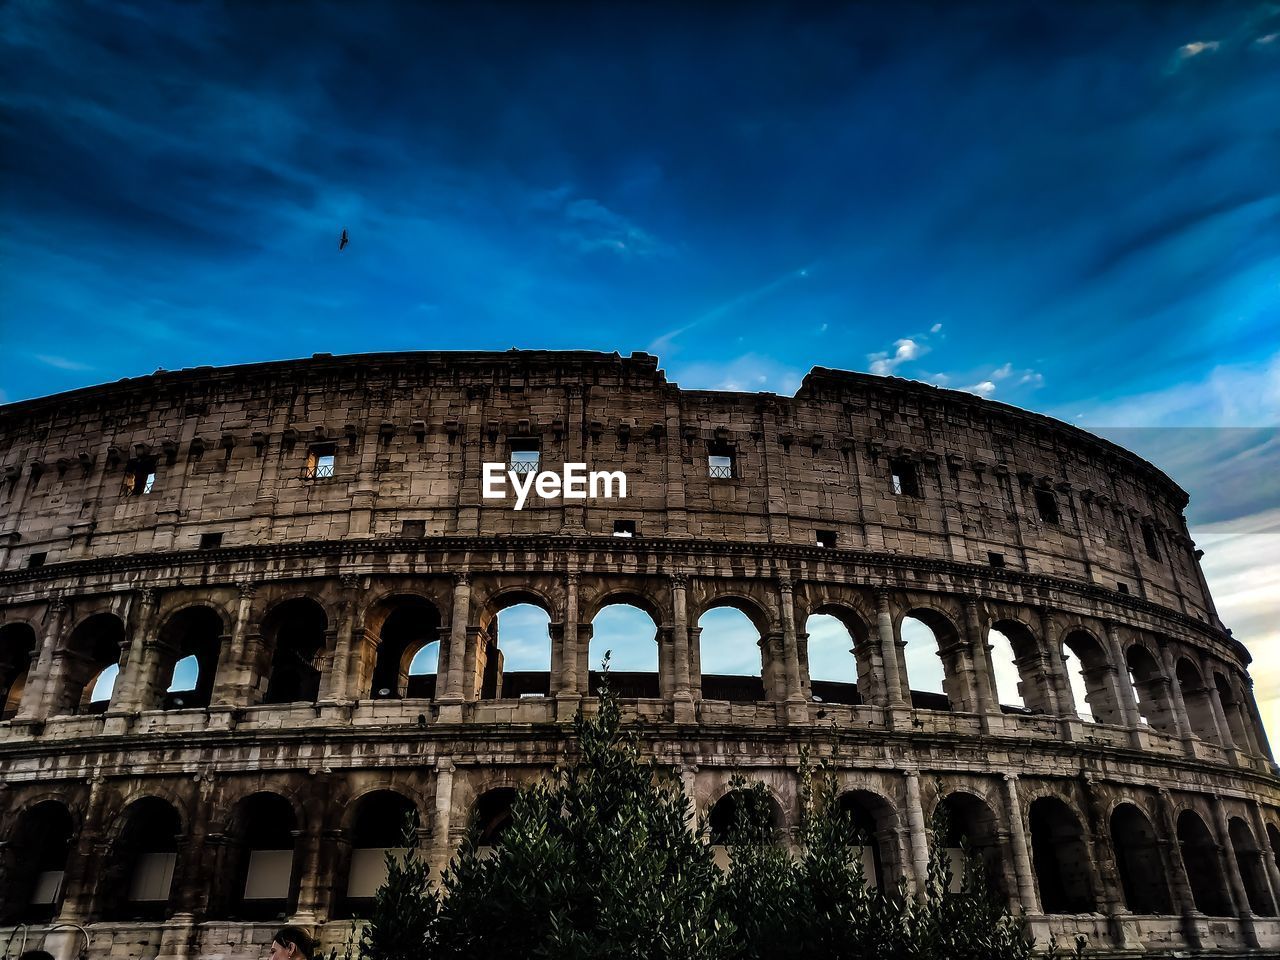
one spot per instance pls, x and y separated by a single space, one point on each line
1198 699
34 860
631 637
1142 873
1152 689
36 955
1089 672
408 641
94 646
1252 868
874 819
377 828
1235 718
191 641
1273 841
17 646
1060 858
971 823
933 681
733 662
261 848
1021 672
138 881
296 631
1200 856
514 658
743 816
492 817
838 660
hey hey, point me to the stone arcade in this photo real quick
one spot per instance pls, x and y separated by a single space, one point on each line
292 535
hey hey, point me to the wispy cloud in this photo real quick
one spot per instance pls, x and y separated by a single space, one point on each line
905 350
747 372
61 363
1196 48
665 344
590 226
983 388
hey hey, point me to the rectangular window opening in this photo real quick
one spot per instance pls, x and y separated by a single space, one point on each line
995 559
321 460
37 559
1149 539
139 477
413 529
624 528
825 538
905 479
1047 506
1122 587
523 456
721 462
210 541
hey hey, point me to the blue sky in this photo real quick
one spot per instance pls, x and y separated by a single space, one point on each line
1069 207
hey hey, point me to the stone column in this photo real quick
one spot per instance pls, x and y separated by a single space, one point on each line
36 696
335 683
1056 666
567 691
307 845
1231 870
84 860
232 685
1264 846
451 702
1127 700
1225 735
984 680
889 651
797 711
688 775
137 672
191 878
682 702
1018 840
442 816
1256 724
919 834
1181 719
1184 900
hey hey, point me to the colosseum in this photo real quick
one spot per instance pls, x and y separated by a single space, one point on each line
249 616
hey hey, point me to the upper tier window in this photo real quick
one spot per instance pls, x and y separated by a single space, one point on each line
523 456
139 477
321 459
1047 505
905 480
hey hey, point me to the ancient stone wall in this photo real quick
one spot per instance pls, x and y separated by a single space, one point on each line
299 531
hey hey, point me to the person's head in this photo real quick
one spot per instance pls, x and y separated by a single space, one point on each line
291 943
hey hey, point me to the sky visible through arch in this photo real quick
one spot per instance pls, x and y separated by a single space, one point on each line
1068 207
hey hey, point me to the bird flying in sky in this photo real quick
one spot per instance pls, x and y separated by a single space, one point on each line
343 241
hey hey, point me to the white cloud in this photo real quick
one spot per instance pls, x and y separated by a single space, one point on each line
984 388
904 351
1033 378
936 328
749 371
1002 372
61 363
1189 50
941 379
593 226
823 328
1269 38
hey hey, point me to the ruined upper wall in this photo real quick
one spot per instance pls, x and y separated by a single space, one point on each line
411 431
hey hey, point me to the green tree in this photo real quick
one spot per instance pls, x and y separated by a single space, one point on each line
401 926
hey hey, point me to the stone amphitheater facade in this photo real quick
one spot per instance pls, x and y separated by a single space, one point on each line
303 529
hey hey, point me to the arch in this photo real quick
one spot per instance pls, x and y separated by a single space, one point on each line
746 815
837 657
491 815
297 631
1089 671
1060 858
630 633
261 864
519 632
1142 872
733 657
1231 709
970 822
17 647
137 883
1022 677
503 598
94 645
378 820
1204 868
932 676
1198 699
34 862
1152 689
875 820
1252 867
624 595
192 634
406 625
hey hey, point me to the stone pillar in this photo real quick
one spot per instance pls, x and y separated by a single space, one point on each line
37 695
308 844
442 818
567 691
137 673
192 884
797 711
889 651
1018 840
1264 846
231 687
1056 667
984 680
1231 870
85 856
688 776
1181 719
451 709
1225 735
335 684
1127 700
1184 900
1256 725
919 834
682 703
